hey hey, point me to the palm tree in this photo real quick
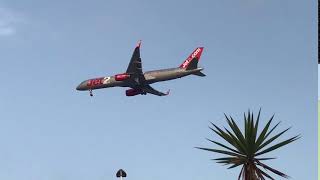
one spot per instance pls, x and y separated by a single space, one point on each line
245 148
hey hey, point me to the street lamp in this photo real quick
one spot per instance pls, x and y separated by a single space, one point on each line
121 174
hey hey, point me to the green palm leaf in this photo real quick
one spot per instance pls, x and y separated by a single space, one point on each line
261 137
273 170
224 146
237 141
226 137
221 151
271 139
274 147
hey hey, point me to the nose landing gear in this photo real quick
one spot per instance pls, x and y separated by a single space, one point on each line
90 92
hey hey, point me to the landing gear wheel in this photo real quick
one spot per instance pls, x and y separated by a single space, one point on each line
90 91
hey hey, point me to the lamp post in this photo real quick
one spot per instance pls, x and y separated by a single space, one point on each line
121 174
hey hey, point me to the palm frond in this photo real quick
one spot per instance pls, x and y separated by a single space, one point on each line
272 170
261 137
235 165
278 145
240 173
224 146
235 129
271 139
241 146
221 151
264 174
263 159
226 137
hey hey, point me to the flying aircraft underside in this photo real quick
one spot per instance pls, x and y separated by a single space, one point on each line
139 82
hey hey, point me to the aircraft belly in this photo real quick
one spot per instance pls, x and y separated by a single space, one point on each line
111 83
115 84
163 76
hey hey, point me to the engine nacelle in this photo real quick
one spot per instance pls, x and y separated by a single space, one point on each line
122 77
134 92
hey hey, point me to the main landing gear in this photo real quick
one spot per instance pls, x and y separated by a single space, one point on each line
90 92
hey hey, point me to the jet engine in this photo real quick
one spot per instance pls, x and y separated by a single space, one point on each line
121 77
134 92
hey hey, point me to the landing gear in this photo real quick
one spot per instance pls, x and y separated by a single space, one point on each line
90 92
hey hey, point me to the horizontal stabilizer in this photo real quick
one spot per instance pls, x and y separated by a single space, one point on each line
199 74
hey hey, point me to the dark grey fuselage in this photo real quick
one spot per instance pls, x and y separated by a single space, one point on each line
149 77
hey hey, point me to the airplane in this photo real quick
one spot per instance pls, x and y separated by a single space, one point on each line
139 82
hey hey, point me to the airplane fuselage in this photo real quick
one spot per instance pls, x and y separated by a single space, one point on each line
133 82
139 81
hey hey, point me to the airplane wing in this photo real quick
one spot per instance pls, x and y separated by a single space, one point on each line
150 90
135 67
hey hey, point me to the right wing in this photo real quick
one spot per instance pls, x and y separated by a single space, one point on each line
150 90
135 67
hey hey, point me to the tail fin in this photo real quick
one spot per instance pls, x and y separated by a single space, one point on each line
192 61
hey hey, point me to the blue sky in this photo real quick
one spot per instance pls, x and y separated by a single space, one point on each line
257 53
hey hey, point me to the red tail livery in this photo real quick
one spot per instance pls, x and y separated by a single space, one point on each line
193 59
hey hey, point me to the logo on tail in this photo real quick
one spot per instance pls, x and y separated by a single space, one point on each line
194 57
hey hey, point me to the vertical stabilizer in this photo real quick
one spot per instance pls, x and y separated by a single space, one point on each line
192 61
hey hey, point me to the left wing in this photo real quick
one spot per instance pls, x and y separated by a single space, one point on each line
135 67
150 90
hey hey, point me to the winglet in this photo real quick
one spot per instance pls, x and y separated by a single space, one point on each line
138 44
168 92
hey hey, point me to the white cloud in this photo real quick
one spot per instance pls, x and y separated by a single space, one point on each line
9 20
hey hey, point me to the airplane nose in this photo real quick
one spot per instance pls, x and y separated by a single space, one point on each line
80 87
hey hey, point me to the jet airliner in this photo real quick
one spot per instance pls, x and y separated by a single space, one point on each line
139 81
